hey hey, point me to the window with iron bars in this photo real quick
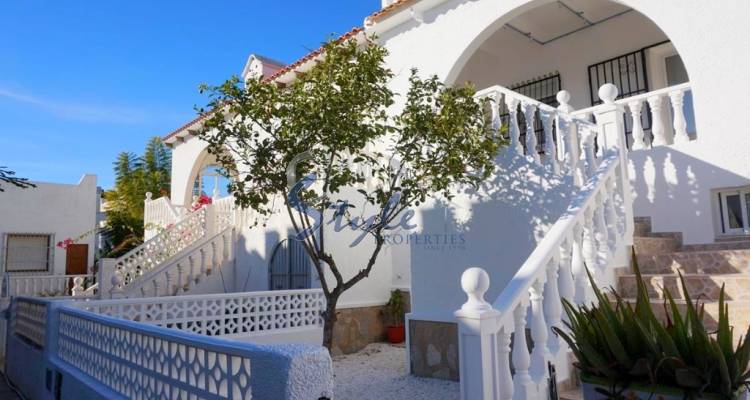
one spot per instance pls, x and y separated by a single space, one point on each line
28 252
542 89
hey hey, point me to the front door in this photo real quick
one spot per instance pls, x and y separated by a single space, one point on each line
290 266
77 259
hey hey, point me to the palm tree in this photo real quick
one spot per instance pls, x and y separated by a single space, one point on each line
8 176
134 177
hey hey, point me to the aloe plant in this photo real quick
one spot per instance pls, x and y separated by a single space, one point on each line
627 345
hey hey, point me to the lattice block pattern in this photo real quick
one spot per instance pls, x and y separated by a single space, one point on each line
161 247
30 321
145 365
222 315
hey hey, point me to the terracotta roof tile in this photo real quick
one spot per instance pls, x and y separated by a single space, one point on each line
390 9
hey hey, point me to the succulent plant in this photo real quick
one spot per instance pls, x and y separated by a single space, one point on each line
627 345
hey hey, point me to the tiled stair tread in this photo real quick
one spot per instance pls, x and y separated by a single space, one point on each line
574 394
739 313
708 287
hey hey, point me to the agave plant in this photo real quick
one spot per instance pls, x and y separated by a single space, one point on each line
626 345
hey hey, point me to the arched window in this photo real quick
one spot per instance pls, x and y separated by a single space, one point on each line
211 181
290 266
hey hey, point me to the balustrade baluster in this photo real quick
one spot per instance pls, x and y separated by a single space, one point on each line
506 378
639 137
513 130
588 153
156 288
180 284
578 267
680 124
550 153
657 123
566 286
496 122
521 358
191 273
168 276
589 241
203 264
613 221
600 228
225 247
529 110
214 256
552 304
539 331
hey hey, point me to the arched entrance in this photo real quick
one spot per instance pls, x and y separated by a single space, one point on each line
578 46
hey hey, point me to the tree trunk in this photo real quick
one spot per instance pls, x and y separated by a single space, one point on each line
329 319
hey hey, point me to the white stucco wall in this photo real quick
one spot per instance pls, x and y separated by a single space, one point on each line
256 243
63 210
440 37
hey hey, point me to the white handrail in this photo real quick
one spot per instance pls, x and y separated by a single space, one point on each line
584 112
42 285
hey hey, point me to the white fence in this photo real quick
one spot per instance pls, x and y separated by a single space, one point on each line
596 227
45 285
159 214
233 315
93 356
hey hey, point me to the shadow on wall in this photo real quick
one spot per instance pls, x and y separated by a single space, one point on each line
674 189
498 226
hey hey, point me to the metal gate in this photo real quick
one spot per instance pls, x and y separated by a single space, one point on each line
290 266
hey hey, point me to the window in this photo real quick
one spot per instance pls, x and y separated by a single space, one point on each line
28 252
734 209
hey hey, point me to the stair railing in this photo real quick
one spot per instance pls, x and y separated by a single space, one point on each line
594 230
159 214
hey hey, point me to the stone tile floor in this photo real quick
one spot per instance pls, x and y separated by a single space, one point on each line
378 372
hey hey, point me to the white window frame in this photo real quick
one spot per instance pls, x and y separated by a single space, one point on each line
50 253
723 214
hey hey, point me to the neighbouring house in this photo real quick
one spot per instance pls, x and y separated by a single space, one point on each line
34 221
622 121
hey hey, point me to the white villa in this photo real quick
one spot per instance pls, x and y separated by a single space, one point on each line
623 125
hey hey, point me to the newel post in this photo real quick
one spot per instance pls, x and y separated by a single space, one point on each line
610 120
106 277
478 325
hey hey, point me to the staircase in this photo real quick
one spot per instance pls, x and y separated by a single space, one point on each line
177 258
705 267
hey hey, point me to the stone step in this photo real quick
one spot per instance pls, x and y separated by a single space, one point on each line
739 314
642 226
718 245
696 262
650 245
700 286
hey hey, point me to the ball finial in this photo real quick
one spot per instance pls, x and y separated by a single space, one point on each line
563 97
475 282
608 93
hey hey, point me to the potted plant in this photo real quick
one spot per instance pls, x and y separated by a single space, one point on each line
394 313
625 352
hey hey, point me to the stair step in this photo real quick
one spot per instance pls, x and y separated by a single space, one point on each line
728 245
696 262
650 245
573 394
739 313
700 286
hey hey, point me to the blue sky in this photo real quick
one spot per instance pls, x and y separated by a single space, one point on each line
81 81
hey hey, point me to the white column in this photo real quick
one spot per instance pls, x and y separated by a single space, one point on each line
680 124
496 123
567 136
513 130
639 137
578 269
657 122
480 365
539 332
529 110
611 124
553 305
550 150
521 360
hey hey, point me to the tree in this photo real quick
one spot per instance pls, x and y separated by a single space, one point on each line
8 176
134 177
333 124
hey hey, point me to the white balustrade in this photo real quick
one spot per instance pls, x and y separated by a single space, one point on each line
662 104
584 238
162 247
159 214
227 315
45 285
224 212
160 280
561 156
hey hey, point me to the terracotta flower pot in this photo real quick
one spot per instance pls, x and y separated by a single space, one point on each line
396 334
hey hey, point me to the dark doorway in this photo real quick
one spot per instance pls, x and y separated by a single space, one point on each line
290 266
76 259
